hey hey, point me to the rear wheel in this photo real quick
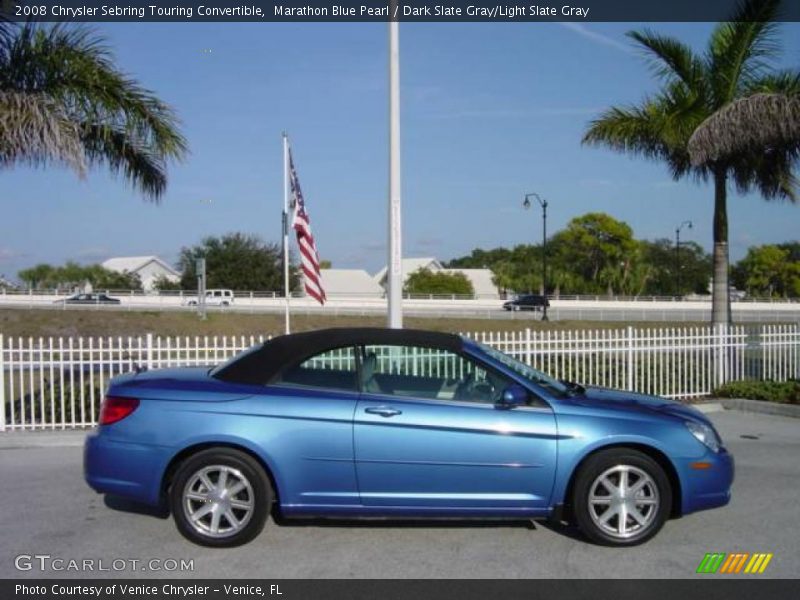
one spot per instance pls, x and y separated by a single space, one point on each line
220 497
621 497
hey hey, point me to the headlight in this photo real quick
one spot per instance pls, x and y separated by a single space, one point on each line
704 434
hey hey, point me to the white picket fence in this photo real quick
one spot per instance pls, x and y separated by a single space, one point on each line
57 383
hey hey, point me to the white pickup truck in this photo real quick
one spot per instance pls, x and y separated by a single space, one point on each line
213 298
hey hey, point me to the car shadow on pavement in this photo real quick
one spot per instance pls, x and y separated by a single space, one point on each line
121 504
124 505
566 530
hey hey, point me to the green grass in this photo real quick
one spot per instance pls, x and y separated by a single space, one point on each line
87 323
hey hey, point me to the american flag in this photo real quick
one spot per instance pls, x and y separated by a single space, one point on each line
309 259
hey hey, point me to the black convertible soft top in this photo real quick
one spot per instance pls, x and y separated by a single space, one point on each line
260 364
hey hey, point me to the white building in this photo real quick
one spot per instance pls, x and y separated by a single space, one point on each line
148 268
410 265
481 279
6 283
349 282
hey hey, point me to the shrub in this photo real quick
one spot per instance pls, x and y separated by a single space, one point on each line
425 281
785 392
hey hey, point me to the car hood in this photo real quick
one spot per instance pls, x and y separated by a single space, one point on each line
622 400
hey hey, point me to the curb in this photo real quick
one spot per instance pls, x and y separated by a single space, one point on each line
15 440
761 407
708 407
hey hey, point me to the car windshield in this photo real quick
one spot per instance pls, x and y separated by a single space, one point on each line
535 376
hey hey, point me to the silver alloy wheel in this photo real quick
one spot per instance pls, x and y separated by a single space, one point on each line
218 501
623 501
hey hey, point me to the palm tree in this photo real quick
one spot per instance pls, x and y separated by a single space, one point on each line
63 101
758 123
736 64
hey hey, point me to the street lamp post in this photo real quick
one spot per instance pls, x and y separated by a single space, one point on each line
687 224
543 203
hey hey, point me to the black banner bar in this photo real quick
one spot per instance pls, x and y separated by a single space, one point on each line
378 10
700 588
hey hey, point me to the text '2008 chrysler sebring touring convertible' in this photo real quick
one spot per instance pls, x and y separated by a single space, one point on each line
399 423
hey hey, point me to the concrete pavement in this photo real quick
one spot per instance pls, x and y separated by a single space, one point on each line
49 510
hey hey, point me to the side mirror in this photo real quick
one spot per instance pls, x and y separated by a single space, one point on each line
513 395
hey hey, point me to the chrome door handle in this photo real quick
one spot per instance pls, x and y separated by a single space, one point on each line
384 411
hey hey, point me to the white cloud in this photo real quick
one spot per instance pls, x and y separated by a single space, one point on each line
598 38
7 254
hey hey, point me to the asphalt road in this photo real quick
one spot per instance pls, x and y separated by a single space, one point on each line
586 311
48 510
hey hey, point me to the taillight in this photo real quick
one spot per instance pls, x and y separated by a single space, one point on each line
115 409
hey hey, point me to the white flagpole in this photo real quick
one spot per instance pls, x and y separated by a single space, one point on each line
395 264
286 230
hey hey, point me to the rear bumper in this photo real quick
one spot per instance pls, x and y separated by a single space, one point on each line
709 487
122 468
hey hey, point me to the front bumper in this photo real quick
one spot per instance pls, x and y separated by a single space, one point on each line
707 487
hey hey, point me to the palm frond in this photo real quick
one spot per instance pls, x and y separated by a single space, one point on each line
35 130
120 123
632 129
124 154
658 129
777 82
671 59
757 124
769 172
741 49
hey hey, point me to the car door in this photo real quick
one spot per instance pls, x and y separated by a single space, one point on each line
312 439
429 435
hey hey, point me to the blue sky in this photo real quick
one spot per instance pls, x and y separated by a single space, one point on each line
489 112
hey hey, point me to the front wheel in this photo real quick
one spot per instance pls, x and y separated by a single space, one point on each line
220 497
621 497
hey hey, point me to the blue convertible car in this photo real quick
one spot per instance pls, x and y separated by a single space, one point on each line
399 423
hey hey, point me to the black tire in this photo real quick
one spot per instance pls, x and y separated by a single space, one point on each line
240 467
657 490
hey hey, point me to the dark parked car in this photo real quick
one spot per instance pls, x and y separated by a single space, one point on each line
528 302
89 299
399 423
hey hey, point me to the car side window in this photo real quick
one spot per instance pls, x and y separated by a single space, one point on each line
418 372
334 369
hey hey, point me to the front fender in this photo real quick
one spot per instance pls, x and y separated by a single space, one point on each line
569 459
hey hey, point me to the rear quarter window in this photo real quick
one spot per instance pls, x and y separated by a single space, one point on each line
334 369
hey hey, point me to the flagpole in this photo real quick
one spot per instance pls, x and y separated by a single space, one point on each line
286 230
395 264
